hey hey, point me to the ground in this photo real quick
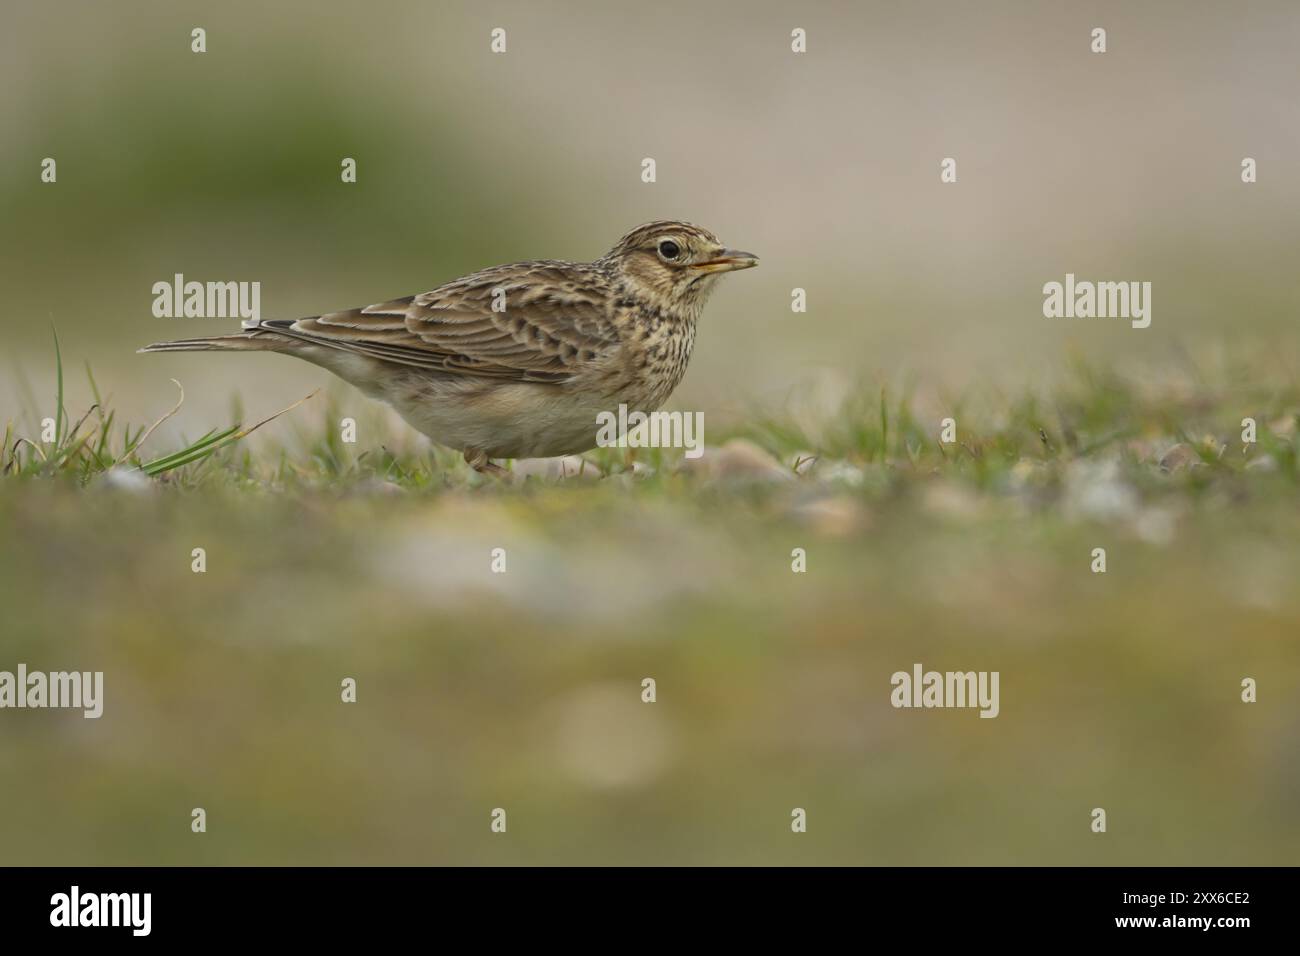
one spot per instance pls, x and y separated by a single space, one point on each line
522 690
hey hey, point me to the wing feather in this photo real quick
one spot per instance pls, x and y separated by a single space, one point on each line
556 317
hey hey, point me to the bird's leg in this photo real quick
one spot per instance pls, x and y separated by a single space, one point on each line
478 460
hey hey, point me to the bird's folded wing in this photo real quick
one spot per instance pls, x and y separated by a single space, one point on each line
535 325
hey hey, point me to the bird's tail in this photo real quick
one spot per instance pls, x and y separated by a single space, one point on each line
251 340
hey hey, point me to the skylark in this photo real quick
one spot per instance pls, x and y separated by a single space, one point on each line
517 361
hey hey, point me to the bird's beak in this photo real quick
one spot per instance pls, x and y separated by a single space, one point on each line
726 261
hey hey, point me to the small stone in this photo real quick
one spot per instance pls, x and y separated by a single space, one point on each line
577 468
1180 458
125 478
379 486
1283 427
739 460
834 517
1156 525
544 469
951 500
1095 490
841 472
743 460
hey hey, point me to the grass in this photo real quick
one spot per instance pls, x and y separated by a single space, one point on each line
1094 415
372 560
103 446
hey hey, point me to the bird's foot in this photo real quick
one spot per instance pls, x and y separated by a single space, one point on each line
479 461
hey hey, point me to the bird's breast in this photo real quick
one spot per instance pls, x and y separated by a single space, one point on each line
651 360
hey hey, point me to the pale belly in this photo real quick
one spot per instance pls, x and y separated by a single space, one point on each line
509 421
502 419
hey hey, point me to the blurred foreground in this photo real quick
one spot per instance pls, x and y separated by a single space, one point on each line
522 690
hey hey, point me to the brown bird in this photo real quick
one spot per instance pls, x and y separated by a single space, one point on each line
517 361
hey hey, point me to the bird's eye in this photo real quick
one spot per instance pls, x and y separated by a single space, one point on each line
669 249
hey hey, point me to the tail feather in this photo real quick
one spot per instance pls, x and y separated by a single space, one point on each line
250 341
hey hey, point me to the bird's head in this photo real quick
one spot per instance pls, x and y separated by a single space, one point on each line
673 264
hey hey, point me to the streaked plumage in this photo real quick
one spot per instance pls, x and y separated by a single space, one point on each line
526 380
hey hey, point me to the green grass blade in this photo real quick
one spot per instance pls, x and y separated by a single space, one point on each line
199 449
59 413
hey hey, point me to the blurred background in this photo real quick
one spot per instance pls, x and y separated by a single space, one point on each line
225 165
1118 691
